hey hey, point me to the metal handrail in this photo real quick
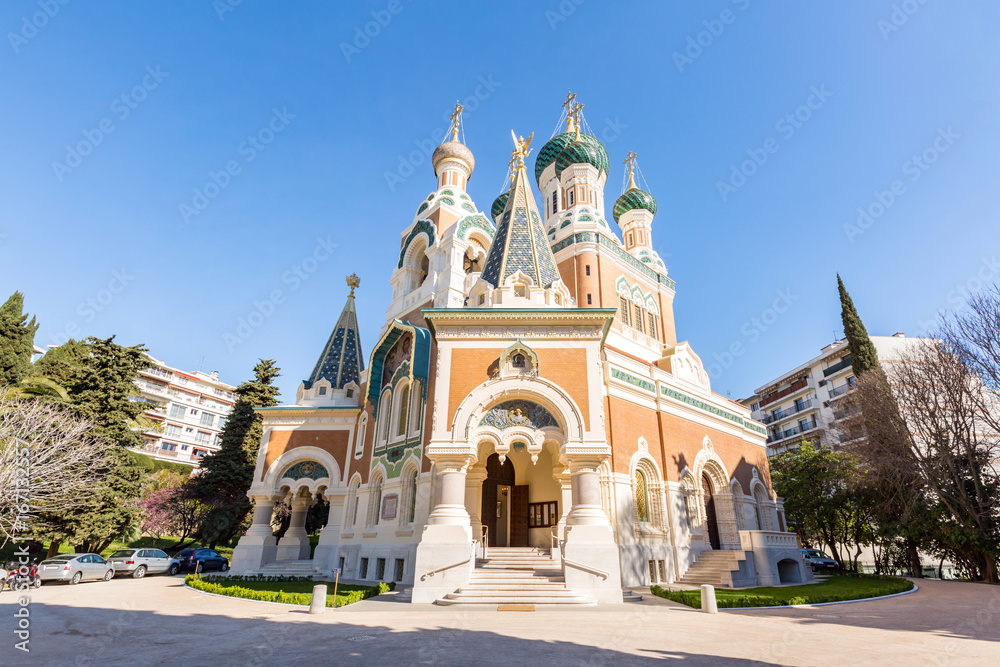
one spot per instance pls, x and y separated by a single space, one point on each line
447 567
486 540
587 568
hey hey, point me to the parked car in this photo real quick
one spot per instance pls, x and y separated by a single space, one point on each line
74 568
140 562
818 560
202 559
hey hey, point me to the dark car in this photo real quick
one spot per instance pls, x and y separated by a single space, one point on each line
202 559
818 560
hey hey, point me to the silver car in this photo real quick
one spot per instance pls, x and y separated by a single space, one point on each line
140 562
74 568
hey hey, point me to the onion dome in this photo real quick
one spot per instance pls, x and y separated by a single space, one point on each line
549 152
499 204
588 150
455 150
634 199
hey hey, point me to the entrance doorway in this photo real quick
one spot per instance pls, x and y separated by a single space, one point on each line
505 505
710 518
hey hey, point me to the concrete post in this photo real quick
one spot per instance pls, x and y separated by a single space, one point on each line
708 603
317 605
258 546
295 544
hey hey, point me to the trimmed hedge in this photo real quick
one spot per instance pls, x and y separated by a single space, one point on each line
824 592
218 587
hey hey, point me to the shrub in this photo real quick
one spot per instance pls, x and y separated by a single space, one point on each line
224 586
830 591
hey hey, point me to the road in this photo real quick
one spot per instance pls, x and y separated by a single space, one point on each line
157 620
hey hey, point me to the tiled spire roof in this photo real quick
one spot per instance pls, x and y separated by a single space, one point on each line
520 243
341 361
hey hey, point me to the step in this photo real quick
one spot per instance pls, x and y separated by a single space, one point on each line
452 599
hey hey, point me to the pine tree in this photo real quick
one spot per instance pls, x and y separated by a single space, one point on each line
227 474
863 354
17 340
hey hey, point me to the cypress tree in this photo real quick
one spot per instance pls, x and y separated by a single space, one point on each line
17 340
862 349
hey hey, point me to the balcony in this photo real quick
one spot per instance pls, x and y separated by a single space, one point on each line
841 390
788 433
837 367
795 387
787 412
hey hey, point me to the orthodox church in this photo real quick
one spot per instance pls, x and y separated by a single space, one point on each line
527 428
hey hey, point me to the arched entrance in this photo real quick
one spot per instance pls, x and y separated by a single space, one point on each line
711 521
505 505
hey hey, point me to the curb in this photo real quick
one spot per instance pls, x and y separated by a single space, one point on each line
823 604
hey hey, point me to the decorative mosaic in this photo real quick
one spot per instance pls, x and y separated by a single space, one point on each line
341 361
422 226
702 405
565 224
518 413
601 222
394 459
306 470
447 192
641 512
478 221
468 208
633 380
465 197
447 200
585 218
423 207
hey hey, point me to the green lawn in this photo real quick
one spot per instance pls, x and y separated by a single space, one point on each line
290 592
835 589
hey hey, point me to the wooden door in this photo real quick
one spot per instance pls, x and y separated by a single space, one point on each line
712 524
519 516
488 515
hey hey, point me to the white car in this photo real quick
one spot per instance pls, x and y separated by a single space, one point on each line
140 562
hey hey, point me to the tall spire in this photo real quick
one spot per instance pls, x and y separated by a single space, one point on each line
341 361
520 243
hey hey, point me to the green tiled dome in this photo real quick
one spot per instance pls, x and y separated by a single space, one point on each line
499 204
588 150
549 152
633 199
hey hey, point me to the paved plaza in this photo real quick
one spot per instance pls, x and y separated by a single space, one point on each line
159 621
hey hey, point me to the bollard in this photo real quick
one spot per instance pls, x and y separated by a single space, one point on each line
318 603
708 604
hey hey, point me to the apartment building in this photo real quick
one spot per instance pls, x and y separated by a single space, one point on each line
802 403
190 409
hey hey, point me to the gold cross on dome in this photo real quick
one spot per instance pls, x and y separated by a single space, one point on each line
568 105
456 116
577 112
353 282
630 161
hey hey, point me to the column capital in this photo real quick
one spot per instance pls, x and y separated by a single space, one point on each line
475 475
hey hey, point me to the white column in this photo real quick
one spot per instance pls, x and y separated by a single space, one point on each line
474 499
257 547
591 559
295 543
444 559
325 555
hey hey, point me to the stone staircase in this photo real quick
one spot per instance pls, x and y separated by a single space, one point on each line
289 568
516 575
714 567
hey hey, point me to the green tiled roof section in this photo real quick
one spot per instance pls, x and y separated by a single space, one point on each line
589 150
633 380
634 199
592 237
478 221
421 226
549 152
499 204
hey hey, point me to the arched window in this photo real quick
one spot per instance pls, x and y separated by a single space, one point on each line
359 447
652 325
761 508
623 310
374 500
641 497
638 317
404 413
415 408
409 505
384 415
351 506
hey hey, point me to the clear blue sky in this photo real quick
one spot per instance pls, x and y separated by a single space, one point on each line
346 115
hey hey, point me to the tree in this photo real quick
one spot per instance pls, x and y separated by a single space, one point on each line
863 355
17 340
100 379
172 510
227 474
49 461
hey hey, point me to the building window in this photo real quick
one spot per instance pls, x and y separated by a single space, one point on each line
482 299
173 430
623 310
400 563
359 446
409 498
383 426
363 570
652 325
404 414
184 448
631 240
193 412
586 269
322 391
638 318
554 203
374 501
589 301
177 410
207 418
380 569
571 197
352 505
222 423
520 290
349 394
641 494
169 447
202 437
